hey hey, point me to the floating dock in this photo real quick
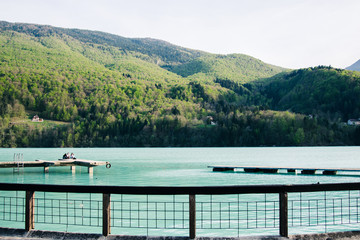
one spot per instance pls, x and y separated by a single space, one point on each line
46 164
267 169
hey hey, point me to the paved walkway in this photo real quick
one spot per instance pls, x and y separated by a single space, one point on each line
10 233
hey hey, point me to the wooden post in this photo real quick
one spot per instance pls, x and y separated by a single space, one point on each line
90 170
29 210
73 169
46 169
106 214
192 216
283 214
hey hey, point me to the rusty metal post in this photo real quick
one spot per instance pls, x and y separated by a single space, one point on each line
192 216
106 214
283 214
29 210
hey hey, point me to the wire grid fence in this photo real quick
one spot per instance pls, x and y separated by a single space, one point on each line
325 209
68 209
12 206
213 212
238 211
147 212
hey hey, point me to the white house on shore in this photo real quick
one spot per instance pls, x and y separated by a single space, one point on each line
37 119
353 122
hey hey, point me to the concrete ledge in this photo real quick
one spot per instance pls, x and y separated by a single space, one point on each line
11 233
351 235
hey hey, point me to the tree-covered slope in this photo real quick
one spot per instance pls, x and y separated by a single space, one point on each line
157 51
53 75
235 67
325 91
112 91
183 61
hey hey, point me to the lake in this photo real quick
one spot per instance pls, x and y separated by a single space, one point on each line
182 167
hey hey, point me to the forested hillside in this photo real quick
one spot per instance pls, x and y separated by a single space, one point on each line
321 91
236 67
99 89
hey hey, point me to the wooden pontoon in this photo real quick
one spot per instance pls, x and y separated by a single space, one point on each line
267 169
46 164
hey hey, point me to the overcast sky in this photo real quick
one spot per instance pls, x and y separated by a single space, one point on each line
287 33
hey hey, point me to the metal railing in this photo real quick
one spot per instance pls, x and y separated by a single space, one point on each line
193 209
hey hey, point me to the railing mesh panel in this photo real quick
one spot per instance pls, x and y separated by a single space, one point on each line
324 208
68 209
238 212
164 212
317 211
12 206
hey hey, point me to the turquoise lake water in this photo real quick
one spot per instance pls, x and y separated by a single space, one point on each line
181 167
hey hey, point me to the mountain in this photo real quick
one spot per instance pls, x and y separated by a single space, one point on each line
156 49
95 89
237 67
182 61
331 93
355 66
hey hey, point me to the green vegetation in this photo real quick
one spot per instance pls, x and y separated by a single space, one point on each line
98 89
236 67
322 91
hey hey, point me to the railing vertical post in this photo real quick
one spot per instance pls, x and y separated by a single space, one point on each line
106 214
192 216
29 210
283 214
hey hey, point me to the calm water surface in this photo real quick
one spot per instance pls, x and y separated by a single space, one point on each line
183 166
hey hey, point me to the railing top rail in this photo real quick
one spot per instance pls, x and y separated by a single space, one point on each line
164 190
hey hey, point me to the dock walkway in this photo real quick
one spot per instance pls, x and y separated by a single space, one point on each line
46 164
268 169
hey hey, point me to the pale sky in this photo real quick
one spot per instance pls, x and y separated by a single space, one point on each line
287 33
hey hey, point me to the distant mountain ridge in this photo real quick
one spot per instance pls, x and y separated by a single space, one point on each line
355 66
165 51
183 61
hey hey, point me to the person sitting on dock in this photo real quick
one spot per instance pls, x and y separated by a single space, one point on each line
64 156
72 156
